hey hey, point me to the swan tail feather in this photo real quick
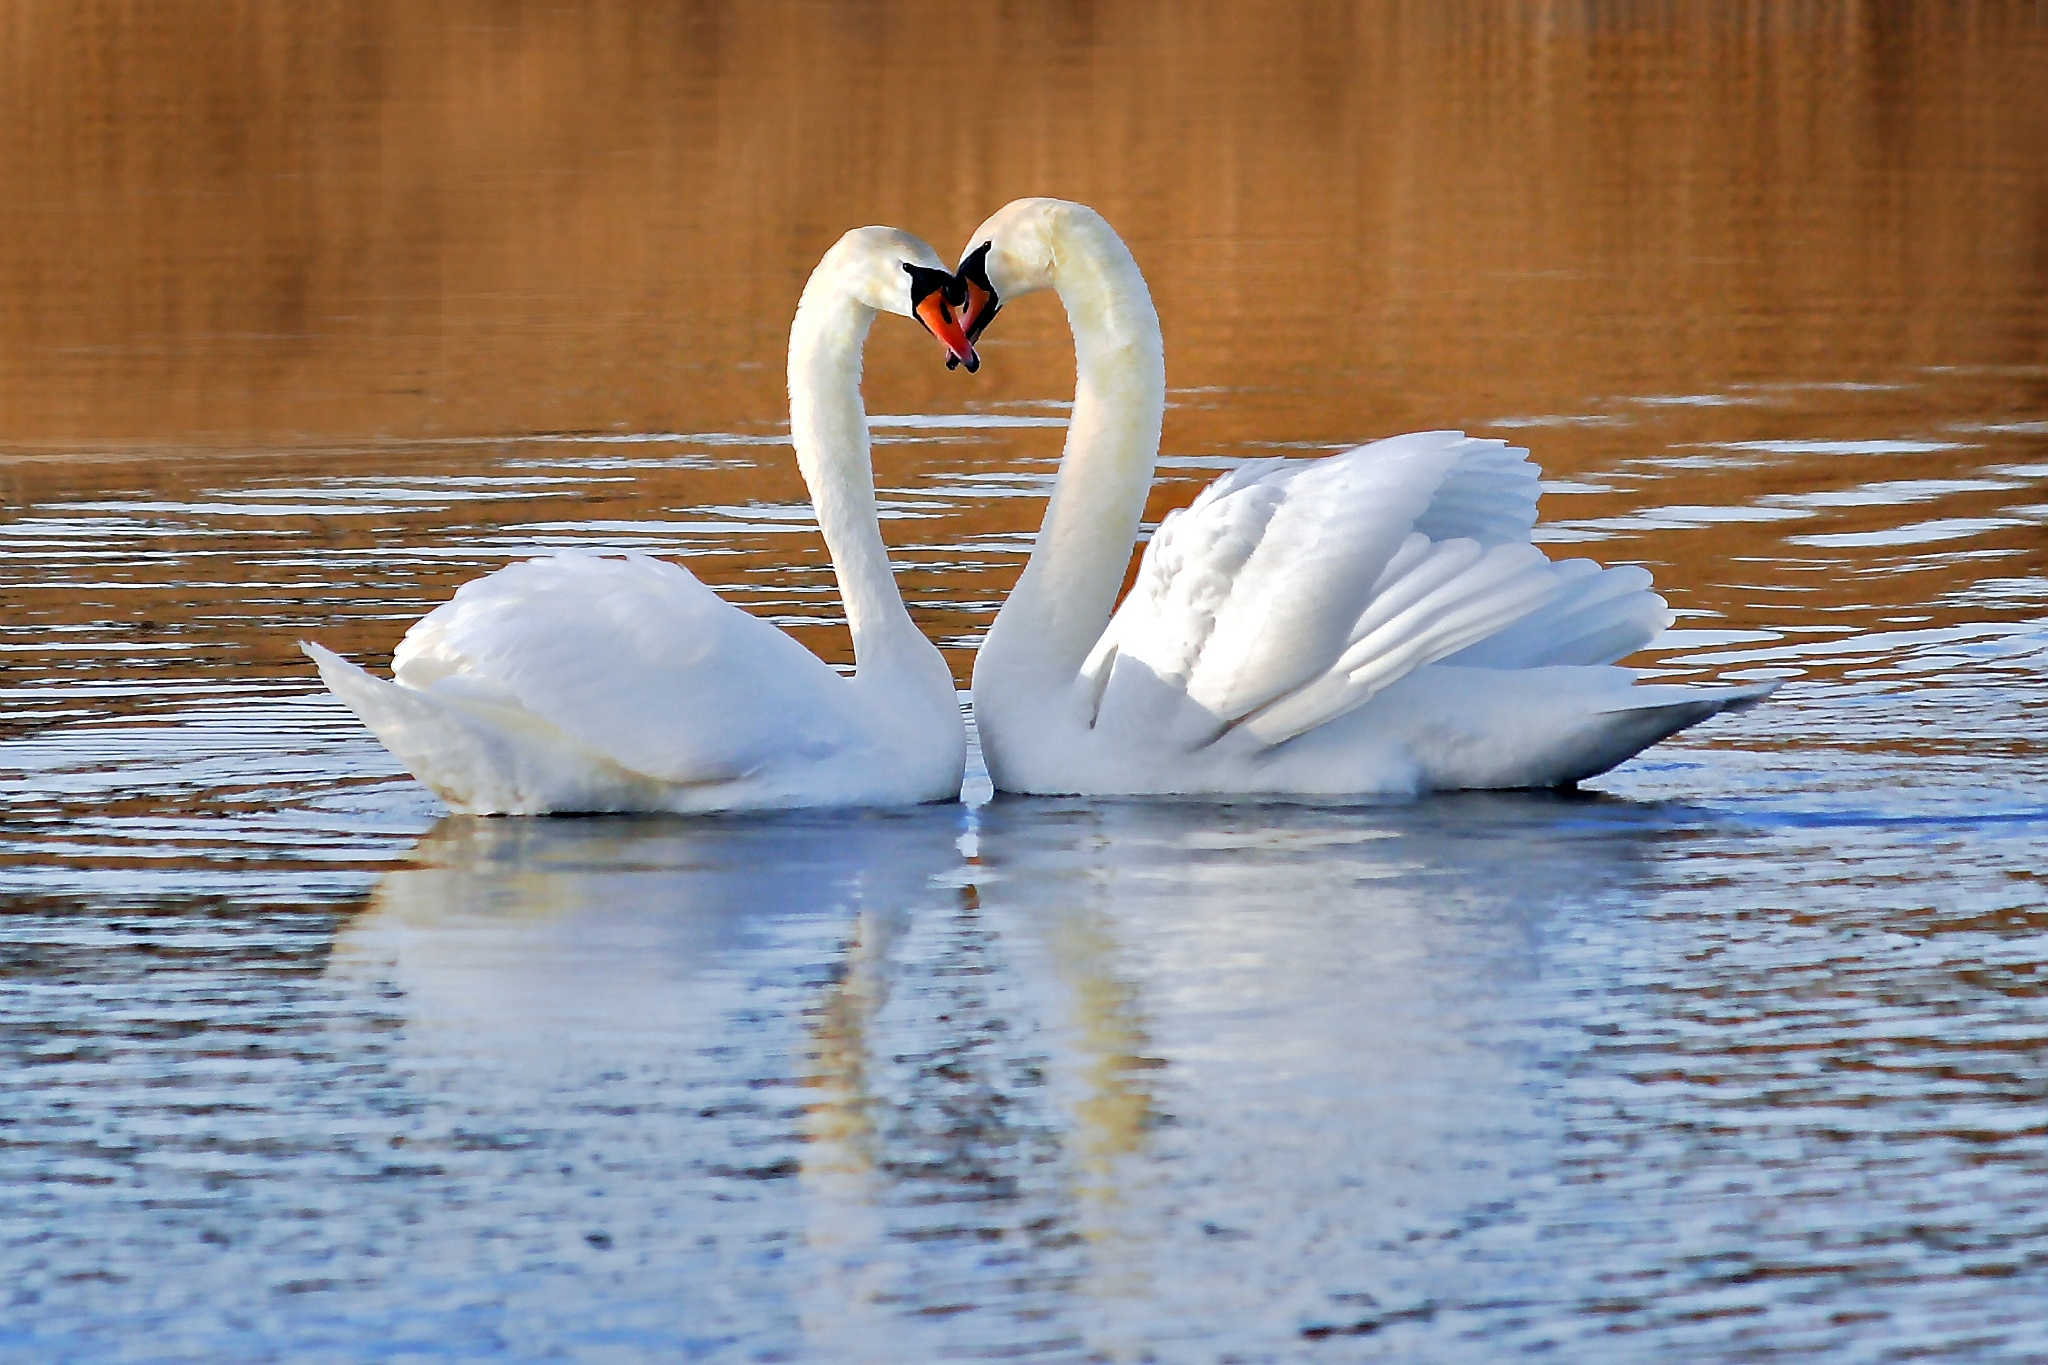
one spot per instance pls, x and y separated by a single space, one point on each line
1466 728
480 759
1645 715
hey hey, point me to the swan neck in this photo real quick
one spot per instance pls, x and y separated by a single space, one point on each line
828 425
1069 588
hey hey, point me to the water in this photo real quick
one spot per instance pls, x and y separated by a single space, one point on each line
1741 1053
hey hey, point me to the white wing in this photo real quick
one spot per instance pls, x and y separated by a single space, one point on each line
1292 591
1488 494
1598 615
635 660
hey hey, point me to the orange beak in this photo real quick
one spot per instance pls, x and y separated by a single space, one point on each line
935 311
978 311
976 293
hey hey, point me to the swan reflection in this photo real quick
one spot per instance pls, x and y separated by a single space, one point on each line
902 1086
1288 1040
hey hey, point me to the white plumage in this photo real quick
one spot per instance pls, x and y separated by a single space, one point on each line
580 682
1373 621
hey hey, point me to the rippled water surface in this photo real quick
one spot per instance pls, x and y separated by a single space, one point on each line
1739 1053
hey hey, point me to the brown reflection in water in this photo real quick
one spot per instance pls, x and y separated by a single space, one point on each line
253 222
1114 1114
839 1121
1607 232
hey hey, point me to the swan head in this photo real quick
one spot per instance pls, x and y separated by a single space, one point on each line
1010 255
890 271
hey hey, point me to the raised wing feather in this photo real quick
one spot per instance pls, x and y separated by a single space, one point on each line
1434 599
1598 615
635 659
1292 590
1489 495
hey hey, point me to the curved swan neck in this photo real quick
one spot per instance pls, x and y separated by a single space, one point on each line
1069 588
828 425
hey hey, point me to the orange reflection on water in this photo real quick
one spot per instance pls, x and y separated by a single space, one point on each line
249 222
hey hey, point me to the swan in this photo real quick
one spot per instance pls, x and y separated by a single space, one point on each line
1375 621
579 682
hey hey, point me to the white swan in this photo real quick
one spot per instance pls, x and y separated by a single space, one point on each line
578 682
1374 621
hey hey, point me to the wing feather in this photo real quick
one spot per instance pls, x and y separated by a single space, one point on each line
1450 595
1291 591
1488 496
1598 616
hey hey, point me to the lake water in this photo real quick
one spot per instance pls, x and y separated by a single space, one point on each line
309 315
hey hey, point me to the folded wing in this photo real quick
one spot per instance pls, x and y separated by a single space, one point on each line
634 660
1292 591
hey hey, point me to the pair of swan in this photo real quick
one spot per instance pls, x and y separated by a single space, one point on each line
1374 621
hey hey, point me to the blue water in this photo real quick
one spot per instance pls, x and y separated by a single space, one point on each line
1739 1053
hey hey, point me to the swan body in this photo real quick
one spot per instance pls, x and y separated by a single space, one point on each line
1375 621
578 682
